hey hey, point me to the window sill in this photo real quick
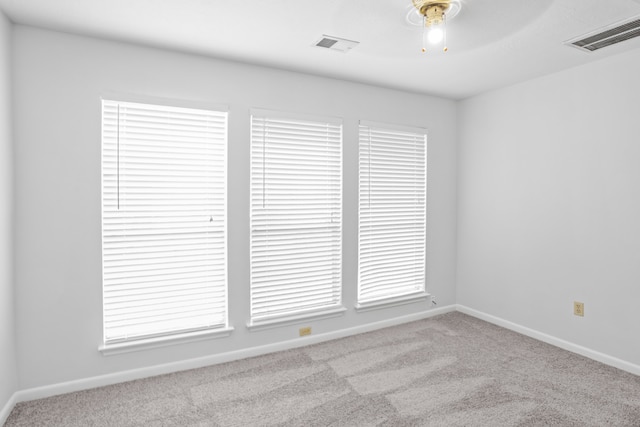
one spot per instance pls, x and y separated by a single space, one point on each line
163 341
291 320
392 302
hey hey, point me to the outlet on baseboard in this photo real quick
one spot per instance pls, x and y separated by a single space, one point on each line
578 308
305 331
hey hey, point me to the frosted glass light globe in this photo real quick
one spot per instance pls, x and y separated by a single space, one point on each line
435 35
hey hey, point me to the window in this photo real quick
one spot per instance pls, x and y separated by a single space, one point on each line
392 214
163 221
295 216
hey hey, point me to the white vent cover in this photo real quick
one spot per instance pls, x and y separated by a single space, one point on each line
335 43
607 36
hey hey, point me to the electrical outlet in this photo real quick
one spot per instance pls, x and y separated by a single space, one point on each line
305 331
578 308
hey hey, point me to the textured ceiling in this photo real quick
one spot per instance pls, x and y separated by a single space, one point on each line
492 43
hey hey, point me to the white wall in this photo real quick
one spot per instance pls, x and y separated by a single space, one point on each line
549 205
8 367
58 83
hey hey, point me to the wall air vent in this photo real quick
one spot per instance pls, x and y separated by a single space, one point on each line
608 36
335 43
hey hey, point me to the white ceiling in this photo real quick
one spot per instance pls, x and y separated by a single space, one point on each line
492 43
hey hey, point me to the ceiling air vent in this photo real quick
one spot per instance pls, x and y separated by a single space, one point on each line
608 36
335 43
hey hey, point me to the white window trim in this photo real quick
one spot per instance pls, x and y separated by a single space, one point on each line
392 302
276 114
163 341
166 102
392 126
271 323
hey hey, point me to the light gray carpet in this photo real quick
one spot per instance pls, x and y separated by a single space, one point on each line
450 370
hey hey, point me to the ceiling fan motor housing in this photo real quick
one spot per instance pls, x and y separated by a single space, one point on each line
432 10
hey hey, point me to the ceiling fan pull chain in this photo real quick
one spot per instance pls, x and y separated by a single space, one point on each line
424 33
444 31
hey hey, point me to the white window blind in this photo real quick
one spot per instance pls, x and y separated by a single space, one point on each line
392 213
163 220
295 215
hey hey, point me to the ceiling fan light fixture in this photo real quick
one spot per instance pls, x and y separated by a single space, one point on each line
434 15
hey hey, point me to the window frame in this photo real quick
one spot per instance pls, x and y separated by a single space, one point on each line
221 329
337 309
364 304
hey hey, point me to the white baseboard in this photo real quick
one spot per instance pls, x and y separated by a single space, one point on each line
549 339
118 377
7 408
134 374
